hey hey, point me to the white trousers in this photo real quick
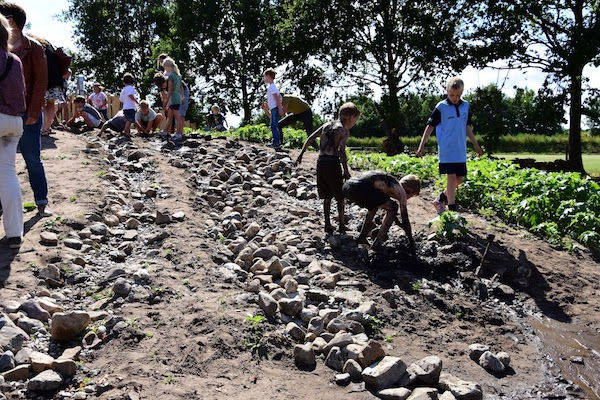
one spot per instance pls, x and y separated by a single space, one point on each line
11 129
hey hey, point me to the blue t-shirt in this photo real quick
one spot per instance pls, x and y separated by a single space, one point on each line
450 122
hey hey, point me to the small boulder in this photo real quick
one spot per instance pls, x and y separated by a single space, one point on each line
45 381
335 359
354 369
394 394
491 363
48 238
427 370
372 352
476 350
268 304
68 325
504 358
304 356
384 373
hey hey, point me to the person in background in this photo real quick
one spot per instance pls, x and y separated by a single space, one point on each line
129 100
216 120
295 109
274 105
12 108
55 92
174 97
147 121
33 59
98 100
161 83
90 116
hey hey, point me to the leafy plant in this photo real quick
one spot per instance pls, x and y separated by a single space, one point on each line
417 285
449 225
29 206
255 332
374 324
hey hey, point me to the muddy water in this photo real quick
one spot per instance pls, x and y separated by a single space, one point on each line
568 345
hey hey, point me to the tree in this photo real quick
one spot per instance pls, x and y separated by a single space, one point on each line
560 37
117 36
490 114
390 44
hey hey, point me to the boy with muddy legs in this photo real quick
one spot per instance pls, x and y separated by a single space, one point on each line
375 190
333 138
451 119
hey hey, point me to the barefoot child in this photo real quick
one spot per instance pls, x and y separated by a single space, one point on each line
174 97
334 136
147 121
274 105
374 190
91 117
129 101
451 119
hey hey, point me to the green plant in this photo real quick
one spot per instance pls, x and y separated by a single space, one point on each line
101 173
389 339
449 225
72 198
169 379
29 206
255 332
374 324
417 285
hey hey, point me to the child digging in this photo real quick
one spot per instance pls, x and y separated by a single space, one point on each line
451 120
333 138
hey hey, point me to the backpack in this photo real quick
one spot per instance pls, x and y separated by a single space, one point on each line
7 68
58 64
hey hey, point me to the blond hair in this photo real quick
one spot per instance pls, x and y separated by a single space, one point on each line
215 107
455 83
169 62
412 183
4 33
144 103
270 72
348 110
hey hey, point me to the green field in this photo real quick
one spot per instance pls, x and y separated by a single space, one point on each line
591 162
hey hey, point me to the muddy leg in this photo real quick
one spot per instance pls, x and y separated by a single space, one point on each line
342 222
327 212
391 213
367 225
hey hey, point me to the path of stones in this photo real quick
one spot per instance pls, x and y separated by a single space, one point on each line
202 273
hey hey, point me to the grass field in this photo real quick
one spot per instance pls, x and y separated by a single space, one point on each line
591 162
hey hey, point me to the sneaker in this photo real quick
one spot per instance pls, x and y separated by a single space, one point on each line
440 207
14 242
177 137
44 211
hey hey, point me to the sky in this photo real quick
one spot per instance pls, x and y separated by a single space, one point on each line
41 15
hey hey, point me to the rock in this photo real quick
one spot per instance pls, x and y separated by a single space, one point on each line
295 331
121 287
99 229
427 370
291 307
354 369
71 353
49 305
130 235
342 379
266 253
317 295
111 220
162 218
65 367
336 325
68 325
447 395
424 394
50 271
504 358
268 304
133 223
40 362
20 373
73 243
304 356
138 206
335 359
353 350
291 286
315 325
491 363
340 340
384 373
394 394
30 325
462 390
45 381
372 352
476 350
23 356
7 361
11 336
252 230
178 216
48 238
11 306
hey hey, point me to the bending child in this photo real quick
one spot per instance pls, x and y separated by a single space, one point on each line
333 138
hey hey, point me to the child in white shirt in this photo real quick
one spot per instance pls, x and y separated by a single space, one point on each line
128 98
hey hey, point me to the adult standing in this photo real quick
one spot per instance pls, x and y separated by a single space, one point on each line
35 71
12 108
295 109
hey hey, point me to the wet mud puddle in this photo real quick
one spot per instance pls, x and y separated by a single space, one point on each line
575 350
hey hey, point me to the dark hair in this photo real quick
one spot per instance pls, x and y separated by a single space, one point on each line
4 33
270 72
79 99
128 79
15 12
159 79
348 110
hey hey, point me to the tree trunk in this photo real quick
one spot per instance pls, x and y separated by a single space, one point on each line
575 159
393 122
246 102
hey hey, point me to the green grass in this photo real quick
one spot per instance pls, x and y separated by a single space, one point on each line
591 162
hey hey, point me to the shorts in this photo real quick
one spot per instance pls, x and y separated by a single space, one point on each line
329 177
364 194
174 107
459 169
56 94
95 122
129 115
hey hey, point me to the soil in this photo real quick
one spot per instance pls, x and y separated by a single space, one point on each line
186 334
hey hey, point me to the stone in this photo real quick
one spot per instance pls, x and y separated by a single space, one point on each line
68 325
11 306
318 344
178 216
65 367
384 373
394 394
304 356
447 395
7 361
354 369
130 235
341 340
71 353
291 286
353 350
423 393
11 336
460 389
427 370
30 325
476 350
132 223
491 363
111 220
291 307
336 325
99 229
266 253
315 325
162 218
49 305
335 359
121 287
342 379
41 362
23 356
73 243
50 271
48 238
296 332
45 381
372 352
317 295
504 358
252 230
20 373
268 304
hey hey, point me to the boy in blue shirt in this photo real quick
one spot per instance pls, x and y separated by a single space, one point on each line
451 119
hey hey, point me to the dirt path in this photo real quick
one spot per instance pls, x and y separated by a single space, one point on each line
175 309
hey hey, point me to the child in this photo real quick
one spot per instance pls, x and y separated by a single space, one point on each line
174 97
216 120
99 100
451 119
129 101
275 106
147 121
91 117
334 136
